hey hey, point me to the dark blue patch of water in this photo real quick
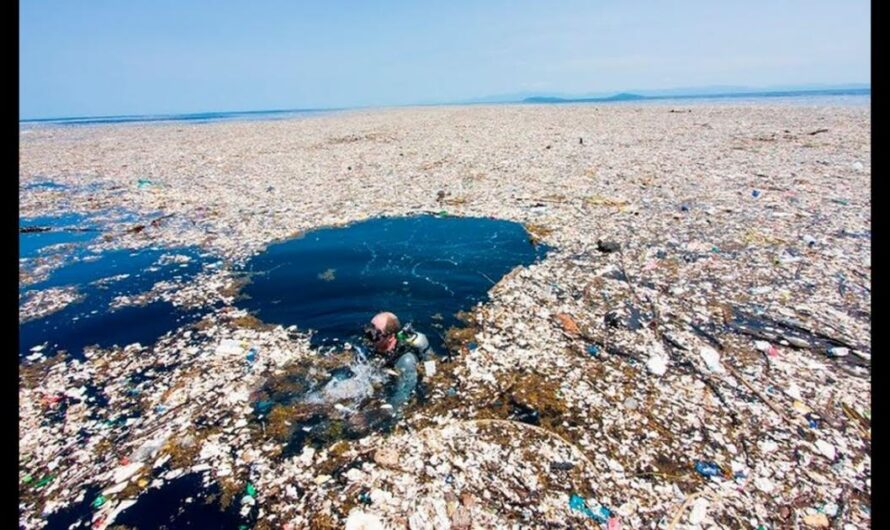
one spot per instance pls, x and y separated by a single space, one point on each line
423 268
77 515
184 503
91 321
38 233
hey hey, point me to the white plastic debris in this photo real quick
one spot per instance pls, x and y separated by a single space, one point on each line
793 391
657 364
838 352
764 484
768 446
826 449
359 520
712 359
430 368
699 511
230 347
122 473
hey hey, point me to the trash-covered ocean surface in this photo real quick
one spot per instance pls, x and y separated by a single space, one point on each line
694 354
423 268
326 283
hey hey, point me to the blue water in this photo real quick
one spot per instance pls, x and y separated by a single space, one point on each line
422 268
197 117
91 321
67 228
182 503
828 97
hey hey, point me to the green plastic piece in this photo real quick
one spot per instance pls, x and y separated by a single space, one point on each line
250 490
443 213
44 481
27 479
100 500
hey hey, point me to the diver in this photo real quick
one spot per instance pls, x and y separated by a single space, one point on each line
400 348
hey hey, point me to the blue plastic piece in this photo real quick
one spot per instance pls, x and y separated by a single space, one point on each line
577 503
707 469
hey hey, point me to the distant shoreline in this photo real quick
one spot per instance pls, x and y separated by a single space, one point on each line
728 95
208 117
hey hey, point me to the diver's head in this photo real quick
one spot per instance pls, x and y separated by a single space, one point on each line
381 333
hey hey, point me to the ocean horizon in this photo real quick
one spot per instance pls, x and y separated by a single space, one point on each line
839 97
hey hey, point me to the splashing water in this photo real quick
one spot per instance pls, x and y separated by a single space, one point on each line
355 389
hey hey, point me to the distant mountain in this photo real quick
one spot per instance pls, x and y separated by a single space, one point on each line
624 96
699 91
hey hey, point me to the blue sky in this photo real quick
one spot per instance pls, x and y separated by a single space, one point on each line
91 57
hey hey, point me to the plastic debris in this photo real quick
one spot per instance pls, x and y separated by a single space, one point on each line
364 497
608 246
764 484
359 520
826 449
43 482
429 368
657 364
577 503
712 359
637 426
699 511
838 351
707 469
99 501
816 520
568 324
